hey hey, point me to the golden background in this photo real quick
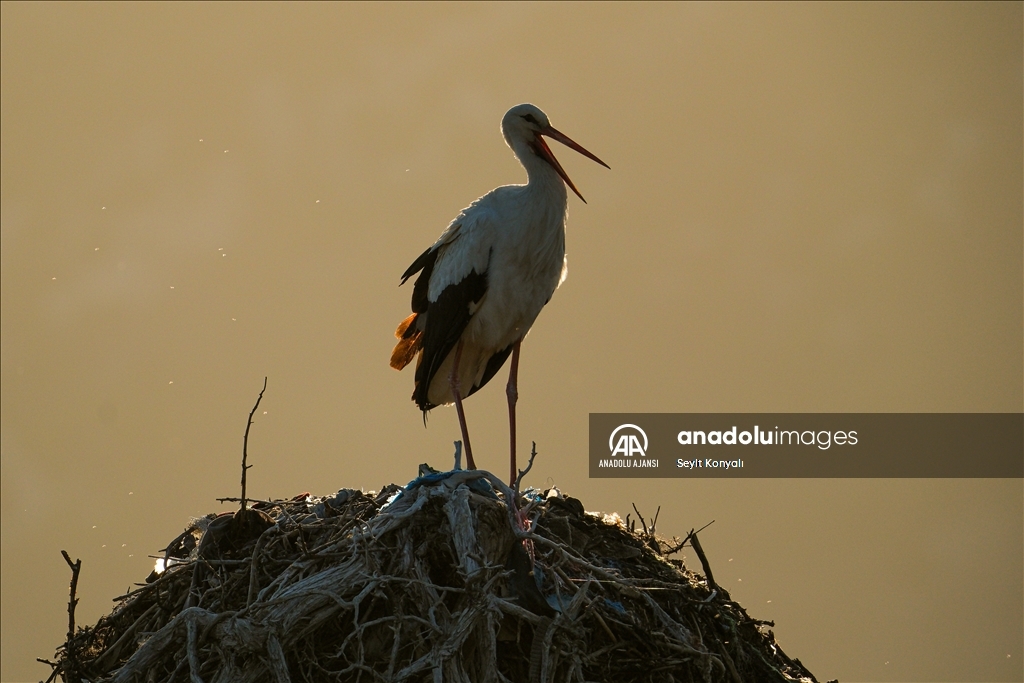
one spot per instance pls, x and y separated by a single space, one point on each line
811 208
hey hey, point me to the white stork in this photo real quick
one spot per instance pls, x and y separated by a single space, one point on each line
483 282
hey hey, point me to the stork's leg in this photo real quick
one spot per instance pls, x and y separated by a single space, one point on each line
512 392
453 382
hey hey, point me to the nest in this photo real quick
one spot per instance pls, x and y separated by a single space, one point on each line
438 581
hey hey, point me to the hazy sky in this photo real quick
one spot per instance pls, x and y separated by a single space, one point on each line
811 208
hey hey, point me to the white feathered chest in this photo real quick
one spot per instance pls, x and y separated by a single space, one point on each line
516 236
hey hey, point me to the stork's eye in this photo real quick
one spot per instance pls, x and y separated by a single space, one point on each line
529 118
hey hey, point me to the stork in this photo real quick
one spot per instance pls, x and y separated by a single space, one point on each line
484 281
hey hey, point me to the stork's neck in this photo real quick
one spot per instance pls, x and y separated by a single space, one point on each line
541 176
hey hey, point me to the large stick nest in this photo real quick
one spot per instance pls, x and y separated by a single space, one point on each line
441 583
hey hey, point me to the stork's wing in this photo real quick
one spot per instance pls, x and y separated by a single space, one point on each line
451 284
446 319
494 364
410 330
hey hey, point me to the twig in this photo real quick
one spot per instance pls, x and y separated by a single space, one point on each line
245 440
604 625
193 588
703 558
253 568
646 533
71 668
272 503
704 527
529 466
729 663
673 549
193 651
56 666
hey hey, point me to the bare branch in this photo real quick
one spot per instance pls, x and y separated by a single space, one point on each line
71 663
703 558
644 523
245 440
529 466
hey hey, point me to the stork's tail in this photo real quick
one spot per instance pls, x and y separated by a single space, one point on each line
410 339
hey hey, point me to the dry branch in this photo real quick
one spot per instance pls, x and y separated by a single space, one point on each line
245 441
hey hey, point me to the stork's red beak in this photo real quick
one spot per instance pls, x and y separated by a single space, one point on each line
545 152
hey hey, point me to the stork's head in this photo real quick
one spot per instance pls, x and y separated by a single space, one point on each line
523 127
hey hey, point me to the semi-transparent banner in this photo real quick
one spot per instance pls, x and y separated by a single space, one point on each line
807 445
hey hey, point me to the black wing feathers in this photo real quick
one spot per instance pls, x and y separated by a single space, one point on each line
446 320
421 262
425 262
493 365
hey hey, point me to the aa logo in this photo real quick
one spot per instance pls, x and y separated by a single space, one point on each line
628 443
